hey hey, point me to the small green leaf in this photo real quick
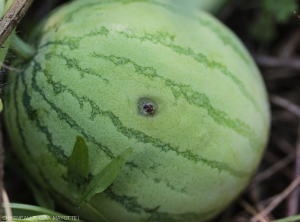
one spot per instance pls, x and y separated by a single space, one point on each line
105 177
78 167
79 159
1 105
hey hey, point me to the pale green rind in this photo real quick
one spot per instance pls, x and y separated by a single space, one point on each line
105 177
192 158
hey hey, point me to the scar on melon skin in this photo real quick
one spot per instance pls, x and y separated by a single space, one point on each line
147 107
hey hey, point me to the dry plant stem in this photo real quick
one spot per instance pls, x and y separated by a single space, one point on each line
267 201
9 67
251 210
6 205
289 47
293 200
12 18
280 73
256 199
297 14
284 145
272 170
272 62
286 104
278 199
272 159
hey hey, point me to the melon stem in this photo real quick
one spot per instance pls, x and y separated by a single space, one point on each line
21 48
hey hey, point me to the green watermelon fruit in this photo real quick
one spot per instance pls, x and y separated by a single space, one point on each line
178 88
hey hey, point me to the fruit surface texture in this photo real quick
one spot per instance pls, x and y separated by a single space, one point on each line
178 88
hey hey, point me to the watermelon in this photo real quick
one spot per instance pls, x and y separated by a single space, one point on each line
177 87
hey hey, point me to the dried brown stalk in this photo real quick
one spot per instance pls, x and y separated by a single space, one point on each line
12 18
273 62
293 201
278 199
286 104
10 68
252 210
273 169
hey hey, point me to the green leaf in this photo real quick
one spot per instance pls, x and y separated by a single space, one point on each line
263 28
105 177
79 159
288 219
78 167
281 10
272 12
1 105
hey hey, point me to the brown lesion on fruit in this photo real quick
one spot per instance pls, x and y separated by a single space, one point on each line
147 107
